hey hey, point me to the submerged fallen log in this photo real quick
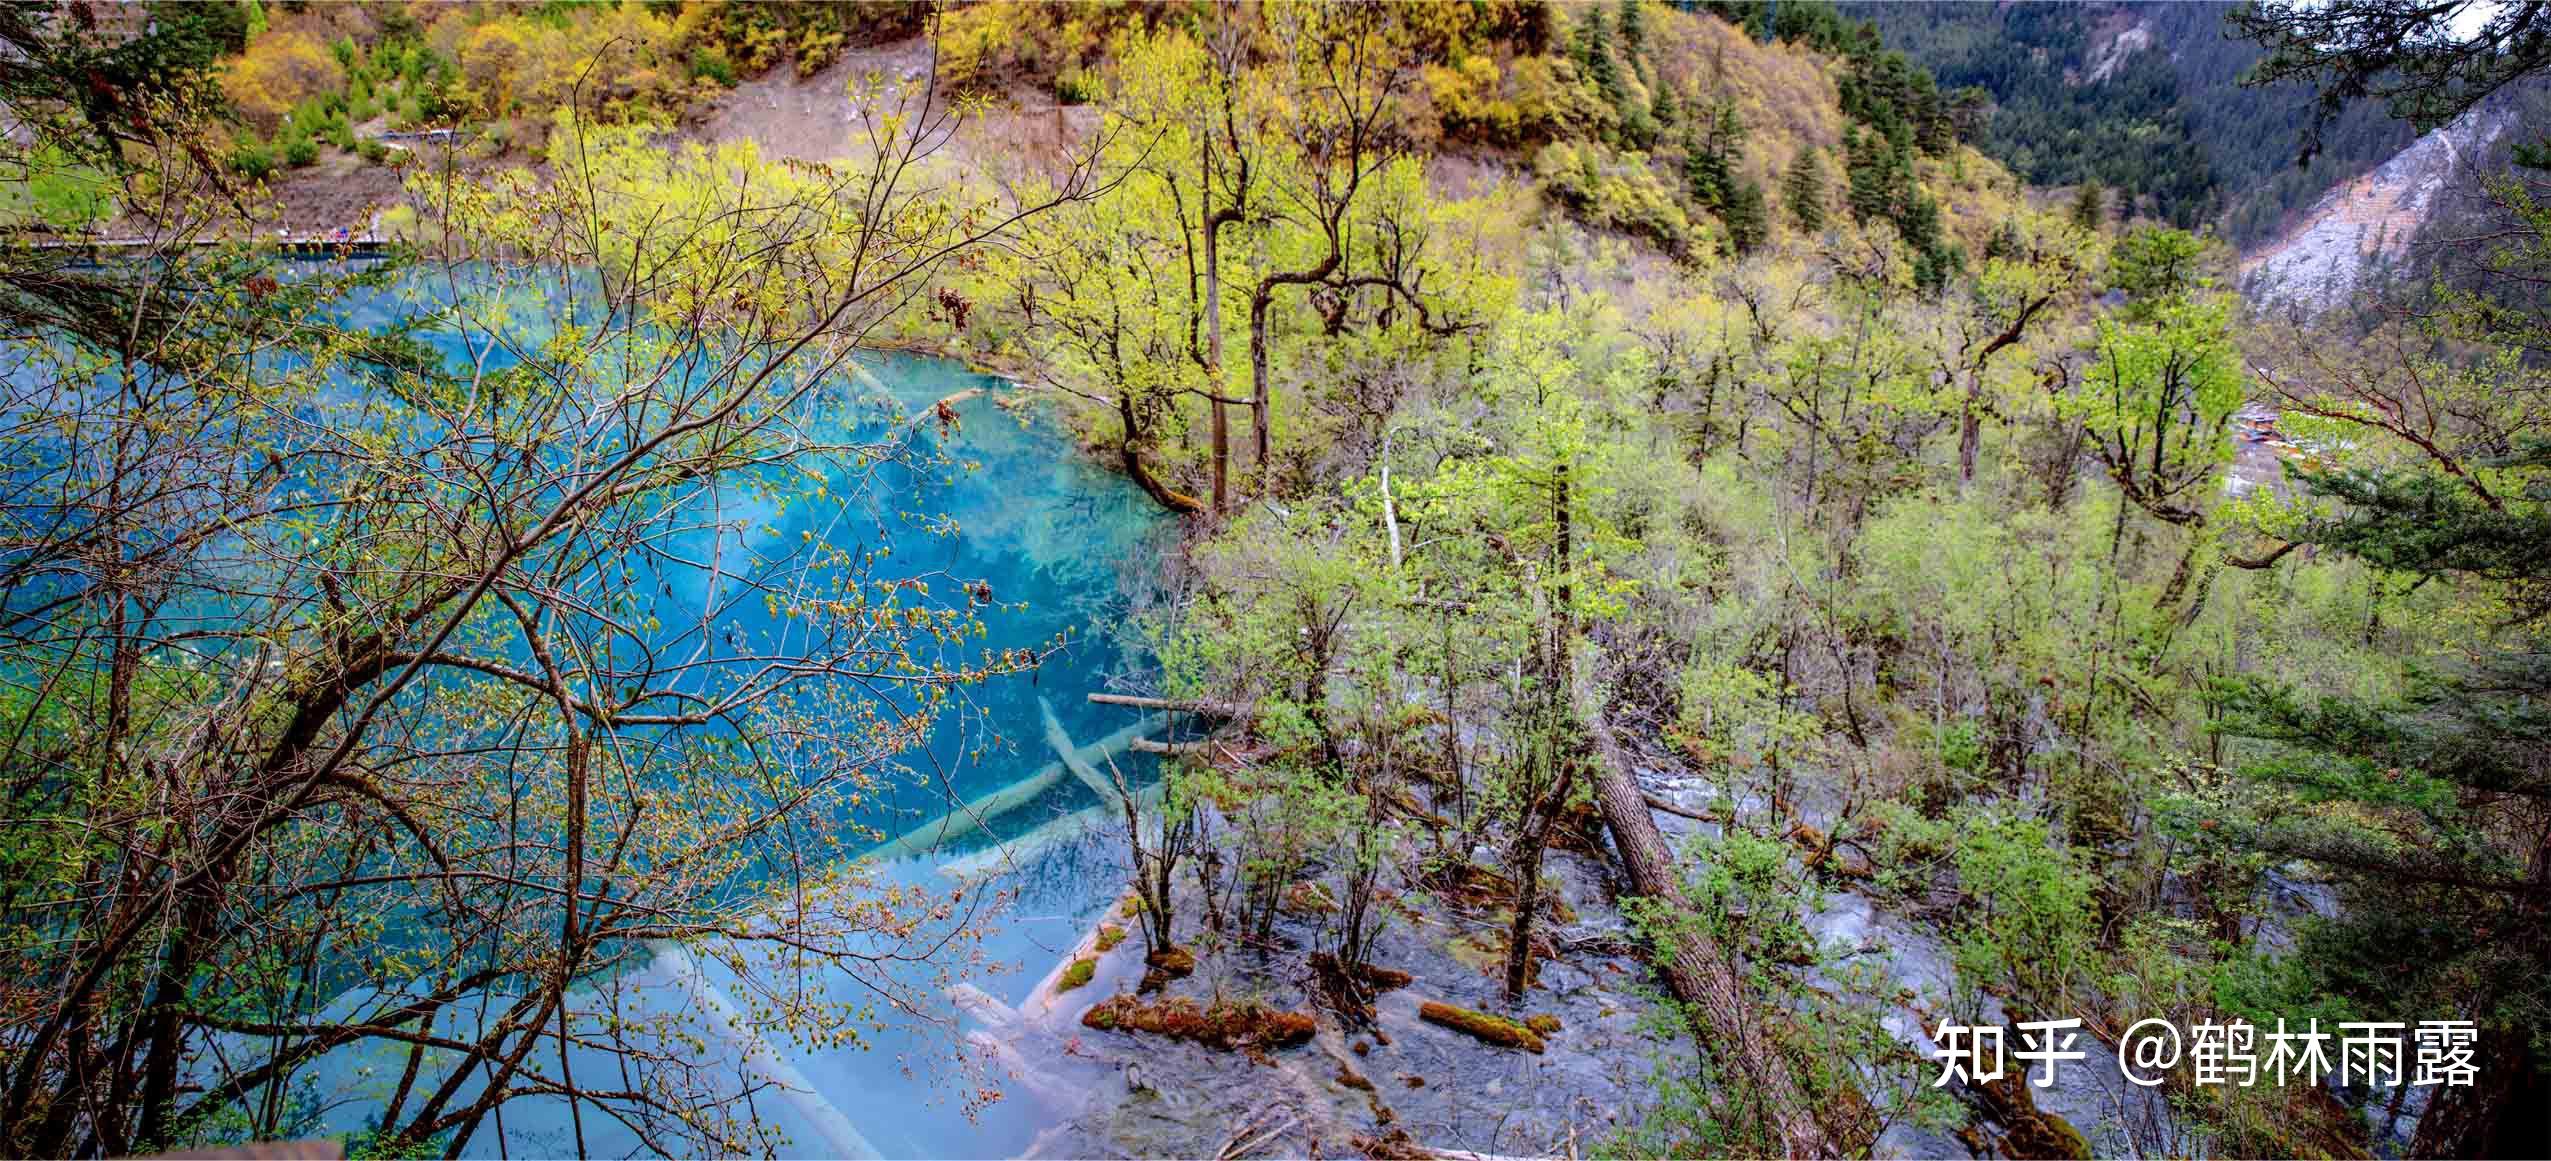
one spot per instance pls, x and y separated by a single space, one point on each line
758 1057
1656 803
972 815
1069 755
1226 1024
1017 852
1700 973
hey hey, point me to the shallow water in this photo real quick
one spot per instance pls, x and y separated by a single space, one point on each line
1003 498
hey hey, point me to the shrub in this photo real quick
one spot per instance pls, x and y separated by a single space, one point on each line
301 151
252 157
816 50
1076 86
710 63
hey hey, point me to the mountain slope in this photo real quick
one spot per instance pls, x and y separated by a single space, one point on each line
2140 97
2364 230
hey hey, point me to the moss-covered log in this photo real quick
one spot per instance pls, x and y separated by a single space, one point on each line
1232 1024
1496 1030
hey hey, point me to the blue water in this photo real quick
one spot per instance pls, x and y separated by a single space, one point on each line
1002 502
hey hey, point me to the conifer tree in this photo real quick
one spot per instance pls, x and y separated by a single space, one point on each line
1870 169
1802 191
1747 216
1594 55
1709 168
2090 205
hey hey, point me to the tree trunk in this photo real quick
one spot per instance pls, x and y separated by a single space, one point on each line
1527 901
1258 422
1970 438
1213 336
2498 1115
1131 448
1700 973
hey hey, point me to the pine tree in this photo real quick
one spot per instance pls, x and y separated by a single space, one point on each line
1709 169
1705 174
1867 167
1747 217
1727 133
1594 55
1665 110
1803 191
2433 828
1634 29
2090 206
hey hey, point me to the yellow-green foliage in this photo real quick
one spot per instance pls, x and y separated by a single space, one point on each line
628 58
1077 974
1525 99
278 71
981 45
1109 936
1785 94
1620 191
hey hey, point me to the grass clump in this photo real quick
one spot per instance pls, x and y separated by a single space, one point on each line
1109 936
1496 1030
1077 974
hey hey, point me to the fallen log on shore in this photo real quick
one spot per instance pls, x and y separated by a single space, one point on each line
1220 709
1701 973
1176 749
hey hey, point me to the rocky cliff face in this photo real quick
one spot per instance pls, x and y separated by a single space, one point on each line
2363 228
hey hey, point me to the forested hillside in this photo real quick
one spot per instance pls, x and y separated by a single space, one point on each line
1540 577
2147 101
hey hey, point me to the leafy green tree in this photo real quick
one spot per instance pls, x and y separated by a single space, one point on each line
2166 377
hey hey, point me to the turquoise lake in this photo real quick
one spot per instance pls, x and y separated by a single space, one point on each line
1003 498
